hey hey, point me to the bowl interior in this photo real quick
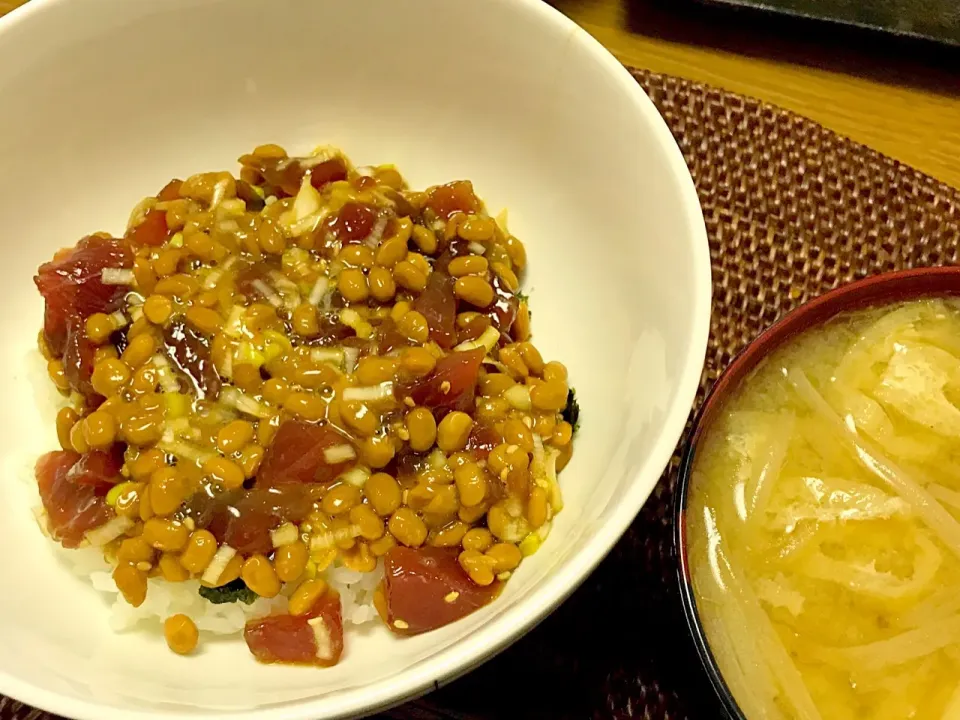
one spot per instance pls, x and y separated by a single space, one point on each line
877 290
105 102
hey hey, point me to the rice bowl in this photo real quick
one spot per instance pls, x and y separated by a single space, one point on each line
535 149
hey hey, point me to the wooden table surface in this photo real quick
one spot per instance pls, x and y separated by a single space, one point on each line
901 98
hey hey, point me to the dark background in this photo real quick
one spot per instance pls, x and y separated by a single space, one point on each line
872 54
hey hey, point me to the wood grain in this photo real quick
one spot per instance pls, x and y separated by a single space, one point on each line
897 96
8 5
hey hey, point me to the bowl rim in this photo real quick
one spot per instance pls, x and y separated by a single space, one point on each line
883 288
494 637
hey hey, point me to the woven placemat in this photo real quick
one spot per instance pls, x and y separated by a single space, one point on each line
792 210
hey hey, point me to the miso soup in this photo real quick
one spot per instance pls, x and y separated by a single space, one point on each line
823 522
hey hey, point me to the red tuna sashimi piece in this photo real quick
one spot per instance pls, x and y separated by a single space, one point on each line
252 275
243 519
458 196
354 222
327 172
98 468
450 386
78 354
438 305
72 508
312 639
190 351
457 247
284 175
483 439
152 230
297 455
425 588
245 524
72 288
389 338
170 191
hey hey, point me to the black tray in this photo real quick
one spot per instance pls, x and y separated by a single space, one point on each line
937 20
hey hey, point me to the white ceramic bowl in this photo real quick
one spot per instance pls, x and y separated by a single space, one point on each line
102 102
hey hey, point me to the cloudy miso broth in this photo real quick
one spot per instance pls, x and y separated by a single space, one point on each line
822 522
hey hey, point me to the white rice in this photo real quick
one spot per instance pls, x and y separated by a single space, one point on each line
165 599
356 592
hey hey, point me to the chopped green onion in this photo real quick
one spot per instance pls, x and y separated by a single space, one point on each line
185 451
519 397
218 564
351 356
234 324
118 319
116 276
325 540
117 490
247 354
357 476
274 345
178 404
369 393
330 356
286 534
488 341
351 318
109 532
339 453
232 397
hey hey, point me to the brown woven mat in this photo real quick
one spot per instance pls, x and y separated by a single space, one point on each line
792 210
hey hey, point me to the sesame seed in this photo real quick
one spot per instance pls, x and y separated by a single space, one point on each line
451 597
400 625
